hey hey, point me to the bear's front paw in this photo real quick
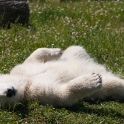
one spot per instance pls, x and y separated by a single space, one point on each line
55 52
95 80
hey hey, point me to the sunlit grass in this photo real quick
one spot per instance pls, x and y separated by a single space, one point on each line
98 26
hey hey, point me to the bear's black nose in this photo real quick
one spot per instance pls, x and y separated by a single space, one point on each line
10 92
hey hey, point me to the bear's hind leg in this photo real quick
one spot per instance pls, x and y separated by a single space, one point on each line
75 52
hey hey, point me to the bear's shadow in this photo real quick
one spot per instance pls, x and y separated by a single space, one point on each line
23 110
102 111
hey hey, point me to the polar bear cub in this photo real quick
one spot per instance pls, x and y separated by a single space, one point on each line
59 78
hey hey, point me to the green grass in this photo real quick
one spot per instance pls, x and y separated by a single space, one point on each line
98 26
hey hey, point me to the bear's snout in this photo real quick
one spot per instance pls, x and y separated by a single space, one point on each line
11 92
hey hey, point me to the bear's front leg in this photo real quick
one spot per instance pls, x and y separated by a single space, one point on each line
79 88
44 55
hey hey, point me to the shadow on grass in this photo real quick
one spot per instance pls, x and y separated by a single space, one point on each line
20 109
95 108
86 107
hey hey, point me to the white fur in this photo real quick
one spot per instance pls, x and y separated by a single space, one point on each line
60 79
